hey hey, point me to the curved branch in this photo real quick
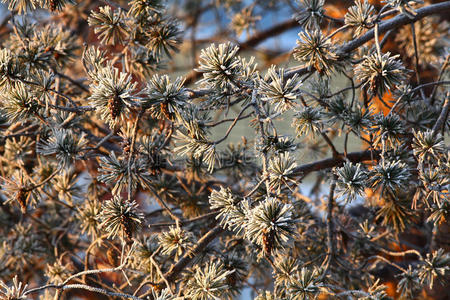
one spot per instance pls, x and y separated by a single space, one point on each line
354 157
398 21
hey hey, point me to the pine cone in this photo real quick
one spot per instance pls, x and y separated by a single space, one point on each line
268 242
21 198
115 106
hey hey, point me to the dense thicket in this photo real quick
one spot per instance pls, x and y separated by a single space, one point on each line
117 181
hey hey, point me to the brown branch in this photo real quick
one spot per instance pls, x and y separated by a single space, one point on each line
442 117
398 21
354 157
